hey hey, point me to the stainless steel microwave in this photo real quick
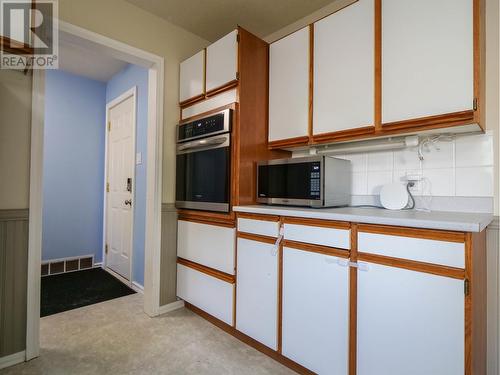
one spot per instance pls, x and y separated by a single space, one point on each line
316 181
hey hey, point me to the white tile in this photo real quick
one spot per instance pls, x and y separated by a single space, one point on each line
439 155
474 182
474 151
380 161
358 162
376 180
439 182
358 183
406 159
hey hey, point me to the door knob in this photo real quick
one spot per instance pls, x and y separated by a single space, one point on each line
128 202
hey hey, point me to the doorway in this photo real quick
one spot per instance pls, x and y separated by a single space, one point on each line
155 66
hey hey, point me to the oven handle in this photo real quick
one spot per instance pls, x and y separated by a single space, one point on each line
202 143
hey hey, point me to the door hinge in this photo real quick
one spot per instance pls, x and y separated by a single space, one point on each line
474 104
106 248
237 75
238 38
466 287
109 126
107 187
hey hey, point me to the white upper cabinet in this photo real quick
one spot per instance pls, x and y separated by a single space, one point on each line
222 61
192 77
344 71
427 58
289 86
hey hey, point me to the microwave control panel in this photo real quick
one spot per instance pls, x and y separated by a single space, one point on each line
315 180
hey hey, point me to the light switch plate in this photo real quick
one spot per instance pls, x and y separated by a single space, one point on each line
138 158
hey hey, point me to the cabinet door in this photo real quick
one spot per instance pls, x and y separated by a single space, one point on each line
409 323
289 86
315 311
192 77
344 69
222 61
427 58
257 291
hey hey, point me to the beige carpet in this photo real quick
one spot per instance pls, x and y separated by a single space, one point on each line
116 337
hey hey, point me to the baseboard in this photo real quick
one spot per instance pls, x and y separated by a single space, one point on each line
12 359
171 307
138 287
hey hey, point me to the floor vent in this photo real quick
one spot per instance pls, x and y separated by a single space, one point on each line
58 266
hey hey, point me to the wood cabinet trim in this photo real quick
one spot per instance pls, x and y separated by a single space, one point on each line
479 37
439 270
226 221
428 234
341 135
249 341
290 142
353 303
378 65
319 249
231 279
207 113
262 217
447 119
311 82
225 87
188 102
256 237
18 47
317 222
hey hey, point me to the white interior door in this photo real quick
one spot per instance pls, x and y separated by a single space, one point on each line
120 177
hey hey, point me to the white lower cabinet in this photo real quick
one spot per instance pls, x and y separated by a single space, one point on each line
315 311
206 292
257 291
409 323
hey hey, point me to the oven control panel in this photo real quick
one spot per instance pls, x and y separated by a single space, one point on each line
205 127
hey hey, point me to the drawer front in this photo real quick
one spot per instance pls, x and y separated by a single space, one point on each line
260 227
332 237
209 245
212 295
443 253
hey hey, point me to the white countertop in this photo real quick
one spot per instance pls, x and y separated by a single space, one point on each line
455 221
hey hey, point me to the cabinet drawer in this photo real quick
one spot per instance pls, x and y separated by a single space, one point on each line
208 245
208 293
332 237
444 253
261 227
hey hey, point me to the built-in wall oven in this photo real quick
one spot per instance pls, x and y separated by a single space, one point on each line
203 179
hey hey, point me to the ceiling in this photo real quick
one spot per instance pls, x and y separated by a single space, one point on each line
212 19
87 62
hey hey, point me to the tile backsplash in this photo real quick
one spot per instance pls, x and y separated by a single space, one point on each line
460 167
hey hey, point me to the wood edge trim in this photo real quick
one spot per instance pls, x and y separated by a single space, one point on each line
189 102
443 119
468 319
311 82
319 249
231 279
255 216
207 113
279 324
215 222
317 222
225 87
378 65
14 47
290 142
256 237
340 135
353 302
427 234
249 341
434 269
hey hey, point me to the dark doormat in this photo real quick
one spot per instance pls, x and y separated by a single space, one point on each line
69 291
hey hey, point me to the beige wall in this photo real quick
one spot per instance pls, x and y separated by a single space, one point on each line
492 67
15 127
124 22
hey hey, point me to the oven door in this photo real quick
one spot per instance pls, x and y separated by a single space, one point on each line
203 174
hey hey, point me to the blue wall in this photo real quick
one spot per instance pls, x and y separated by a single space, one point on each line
129 77
73 166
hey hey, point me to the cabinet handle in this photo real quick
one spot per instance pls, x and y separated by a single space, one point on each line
346 263
276 246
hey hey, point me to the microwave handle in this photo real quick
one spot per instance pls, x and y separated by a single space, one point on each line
201 143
